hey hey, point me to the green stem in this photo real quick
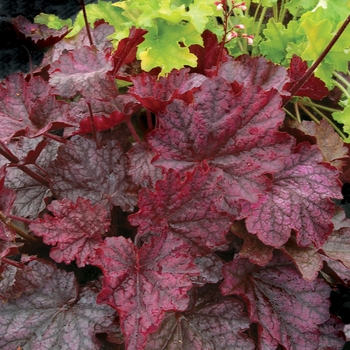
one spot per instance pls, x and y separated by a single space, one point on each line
341 134
290 114
297 112
263 12
342 88
342 79
309 113
313 104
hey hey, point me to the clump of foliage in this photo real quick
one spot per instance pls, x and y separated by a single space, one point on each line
154 194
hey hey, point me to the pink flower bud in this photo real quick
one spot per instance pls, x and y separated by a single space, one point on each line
219 5
250 40
240 26
230 35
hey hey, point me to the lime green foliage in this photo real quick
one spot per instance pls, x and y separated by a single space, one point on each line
162 48
309 35
278 40
173 25
343 117
105 10
52 21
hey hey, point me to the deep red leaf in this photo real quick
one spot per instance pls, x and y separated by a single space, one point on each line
28 109
140 168
211 325
40 34
155 94
127 48
185 208
56 313
233 132
99 174
208 54
258 71
287 308
106 114
75 230
84 71
314 87
299 200
141 284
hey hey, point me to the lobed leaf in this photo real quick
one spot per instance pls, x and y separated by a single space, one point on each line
216 325
185 207
29 109
142 284
140 168
99 174
234 132
83 71
303 186
75 230
56 313
288 309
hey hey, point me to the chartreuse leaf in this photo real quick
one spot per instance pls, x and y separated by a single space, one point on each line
162 48
112 15
319 35
278 39
142 13
52 21
297 7
344 118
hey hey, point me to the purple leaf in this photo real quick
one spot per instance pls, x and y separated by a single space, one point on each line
28 109
155 94
185 208
82 170
83 71
233 132
30 193
56 313
299 200
75 230
258 71
337 245
40 34
287 308
99 36
332 335
140 168
141 284
211 325
256 251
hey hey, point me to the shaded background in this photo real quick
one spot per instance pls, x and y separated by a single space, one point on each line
13 55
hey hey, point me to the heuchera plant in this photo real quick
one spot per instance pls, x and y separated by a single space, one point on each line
183 212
